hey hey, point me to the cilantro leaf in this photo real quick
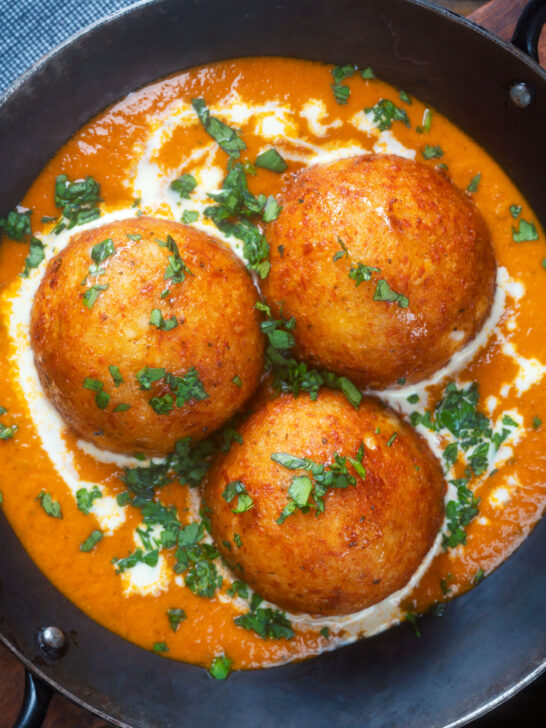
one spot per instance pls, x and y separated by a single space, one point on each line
385 112
360 273
176 616
91 294
384 292
219 668
237 489
432 152
267 623
91 541
101 251
78 201
474 183
156 319
184 185
85 498
226 137
51 507
271 160
526 232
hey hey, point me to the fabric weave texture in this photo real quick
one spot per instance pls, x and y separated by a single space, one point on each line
32 28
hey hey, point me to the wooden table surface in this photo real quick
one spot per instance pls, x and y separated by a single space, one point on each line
498 15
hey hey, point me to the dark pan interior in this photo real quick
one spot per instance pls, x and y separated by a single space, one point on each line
491 641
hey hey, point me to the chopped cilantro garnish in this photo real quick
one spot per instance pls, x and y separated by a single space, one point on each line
319 479
342 252
444 586
367 73
272 209
237 380
391 439
134 237
184 185
91 294
160 647
478 576
383 292
271 160
226 137
537 422
85 498
91 541
340 73
101 251
156 319
237 540
426 123
147 376
267 623
432 152
177 269
203 578
459 514
238 588
122 407
78 201
51 507
515 210
526 232
189 216
101 397
134 558
235 204
360 273
219 668
450 453
16 225
474 183
116 375
176 616
7 432
413 398
385 112
237 489
404 96
325 632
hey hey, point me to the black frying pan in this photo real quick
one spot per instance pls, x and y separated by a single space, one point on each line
492 641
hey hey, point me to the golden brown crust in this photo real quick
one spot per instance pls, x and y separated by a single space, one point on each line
371 537
403 217
218 334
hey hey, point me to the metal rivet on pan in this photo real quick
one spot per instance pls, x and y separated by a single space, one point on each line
52 641
521 94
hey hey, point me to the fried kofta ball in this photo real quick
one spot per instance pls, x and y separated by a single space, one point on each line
387 267
376 526
145 331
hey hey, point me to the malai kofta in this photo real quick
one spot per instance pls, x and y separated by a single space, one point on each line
387 267
334 508
144 332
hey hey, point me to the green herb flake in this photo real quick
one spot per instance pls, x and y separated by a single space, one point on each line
271 160
478 576
272 209
116 375
176 616
91 294
16 225
91 541
237 540
515 211
147 376
226 137
432 152
325 632
237 489
267 623
134 237
340 253
85 499
391 439
184 185
160 647
411 619
156 319
413 398
404 97
474 183
51 507
340 73
426 123
189 216
220 667
360 273
367 74
383 292
122 407
384 113
101 251
237 380
102 399
525 233
78 200
537 422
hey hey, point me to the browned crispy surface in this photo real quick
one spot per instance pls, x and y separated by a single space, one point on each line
218 334
371 537
405 218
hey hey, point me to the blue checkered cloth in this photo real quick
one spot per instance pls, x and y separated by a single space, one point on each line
31 28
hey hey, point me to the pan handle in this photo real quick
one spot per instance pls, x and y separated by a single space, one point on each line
35 703
527 32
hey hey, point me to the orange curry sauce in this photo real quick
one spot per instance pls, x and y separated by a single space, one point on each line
105 149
